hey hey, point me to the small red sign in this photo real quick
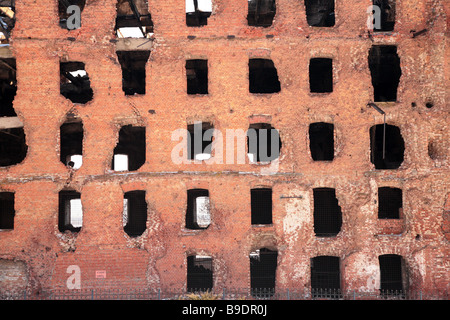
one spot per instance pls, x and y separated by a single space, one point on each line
100 274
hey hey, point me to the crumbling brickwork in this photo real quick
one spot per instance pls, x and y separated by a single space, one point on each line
35 254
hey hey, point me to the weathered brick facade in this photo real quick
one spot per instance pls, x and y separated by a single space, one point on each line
157 258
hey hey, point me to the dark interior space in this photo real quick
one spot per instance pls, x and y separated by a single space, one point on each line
137 213
71 141
391 280
321 141
192 195
133 14
327 213
394 146
387 19
13 147
199 274
263 76
263 267
197 76
321 75
261 205
199 139
8 86
389 203
261 13
133 71
384 64
320 13
7 211
75 84
263 142
198 17
7 18
132 143
62 10
325 275
64 216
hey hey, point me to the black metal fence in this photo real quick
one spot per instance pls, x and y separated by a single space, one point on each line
223 294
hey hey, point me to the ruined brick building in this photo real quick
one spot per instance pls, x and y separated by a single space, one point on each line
358 199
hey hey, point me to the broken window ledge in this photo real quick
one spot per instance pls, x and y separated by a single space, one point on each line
390 227
133 44
262 225
10 122
192 232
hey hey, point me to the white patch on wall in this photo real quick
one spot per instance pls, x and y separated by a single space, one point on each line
120 162
202 215
203 6
125 212
76 213
76 159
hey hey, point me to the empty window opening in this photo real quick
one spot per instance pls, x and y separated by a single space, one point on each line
129 153
133 19
198 12
13 148
327 213
263 143
391 270
200 140
389 203
325 276
320 13
198 213
263 265
263 76
321 75
133 71
387 15
70 211
62 9
75 84
7 210
7 20
384 64
71 144
8 86
387 146
261 205
197 76
261 13
199 273
321 141
134 215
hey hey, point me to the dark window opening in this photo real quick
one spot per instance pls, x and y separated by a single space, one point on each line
327 213
263 265
263 142
133 19
199 274
7 210
75 84
263 76
8 86
320 13
389 203
70 217
7 19
387 18
261 205
325 276
321 75
387 148
133 71
198 214
62 9
391 279
134 213
197 76
321 141
71 143
261 13
129 153
200 140
13 148
384 64
198 12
